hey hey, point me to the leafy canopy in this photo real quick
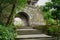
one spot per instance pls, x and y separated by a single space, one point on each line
18 3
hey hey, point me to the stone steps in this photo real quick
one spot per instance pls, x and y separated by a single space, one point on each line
28 31
31 34
24 27
34 37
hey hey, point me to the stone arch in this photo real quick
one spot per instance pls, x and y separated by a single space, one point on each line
25 18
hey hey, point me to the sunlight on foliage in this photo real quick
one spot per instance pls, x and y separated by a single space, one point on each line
51 21
21 4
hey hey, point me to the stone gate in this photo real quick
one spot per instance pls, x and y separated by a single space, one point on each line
32 16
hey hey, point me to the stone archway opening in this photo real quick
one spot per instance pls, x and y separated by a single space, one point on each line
24 18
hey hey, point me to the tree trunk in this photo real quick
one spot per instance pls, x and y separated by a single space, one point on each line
1 14
11 15
6 13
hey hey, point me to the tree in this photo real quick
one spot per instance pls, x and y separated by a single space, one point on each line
53 8
7 10
52 12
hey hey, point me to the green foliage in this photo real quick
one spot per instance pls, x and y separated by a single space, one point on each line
49 4
51 10
51 13
54 7
58 22
55 14
44 8
7 1
56 1
6 6
47 15
21 4
54 30
7 33
51 21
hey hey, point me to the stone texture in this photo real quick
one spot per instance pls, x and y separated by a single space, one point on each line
28 31
35 15
33 36
37 39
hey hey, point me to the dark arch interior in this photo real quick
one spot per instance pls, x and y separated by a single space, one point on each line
25 18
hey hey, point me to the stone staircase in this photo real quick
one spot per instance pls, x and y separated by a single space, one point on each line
31 34
27 32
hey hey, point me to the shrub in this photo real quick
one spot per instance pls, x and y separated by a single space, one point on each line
7 33
54 30
51 21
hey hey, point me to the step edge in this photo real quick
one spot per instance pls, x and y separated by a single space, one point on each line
32 36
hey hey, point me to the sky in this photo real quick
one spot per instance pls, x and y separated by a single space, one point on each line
42 2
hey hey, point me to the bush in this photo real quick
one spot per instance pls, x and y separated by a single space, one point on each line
7 33
51 21
54 30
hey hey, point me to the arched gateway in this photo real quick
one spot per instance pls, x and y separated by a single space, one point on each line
31 16
24 17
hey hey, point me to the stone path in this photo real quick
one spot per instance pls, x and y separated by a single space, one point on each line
28 33
31 34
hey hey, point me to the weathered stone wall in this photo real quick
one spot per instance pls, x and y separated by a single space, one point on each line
35 15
